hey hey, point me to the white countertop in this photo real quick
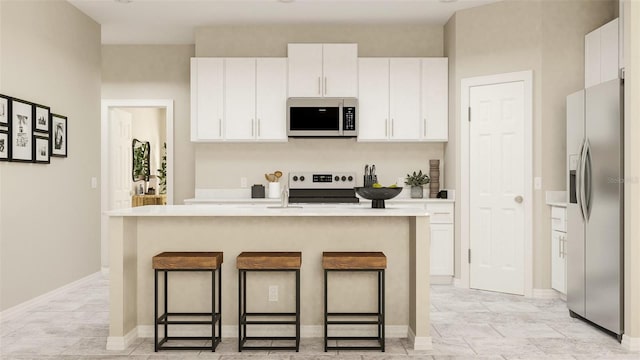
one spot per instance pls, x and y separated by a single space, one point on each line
266 201
556 198
264 210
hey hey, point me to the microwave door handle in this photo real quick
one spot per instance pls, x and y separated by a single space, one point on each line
340 118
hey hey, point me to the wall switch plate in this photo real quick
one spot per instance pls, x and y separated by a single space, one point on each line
273 293
94 182
537 183
243 182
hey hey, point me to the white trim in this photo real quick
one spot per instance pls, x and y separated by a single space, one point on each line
22 308
457 282
545 294
630 343
419 343
167 104
122 342
306 331
441 280
105 271
466 84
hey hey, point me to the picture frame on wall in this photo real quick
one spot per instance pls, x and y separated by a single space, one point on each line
5 145
41 149
58 135
41 119
21 130
5 112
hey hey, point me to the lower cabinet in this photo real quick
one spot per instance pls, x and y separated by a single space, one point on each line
442 249
558 249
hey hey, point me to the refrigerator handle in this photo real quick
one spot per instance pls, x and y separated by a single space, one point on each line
579 182
588 181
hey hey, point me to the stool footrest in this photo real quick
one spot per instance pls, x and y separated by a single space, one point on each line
270 314
281 322
353 323
353 314
271 338
164 319
353 338
355 348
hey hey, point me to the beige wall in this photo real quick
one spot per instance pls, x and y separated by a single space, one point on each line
50 221
156 72
546 37
222 165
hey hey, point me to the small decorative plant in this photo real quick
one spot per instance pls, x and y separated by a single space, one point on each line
162 172
416 181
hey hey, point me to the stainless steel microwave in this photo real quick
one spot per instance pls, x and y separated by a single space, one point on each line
322 117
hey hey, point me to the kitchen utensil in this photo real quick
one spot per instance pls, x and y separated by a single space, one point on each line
267 176
278 175
378 195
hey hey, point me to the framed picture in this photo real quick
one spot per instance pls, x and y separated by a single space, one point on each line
5 146
58 135
41 118
41 149
21 130
4 110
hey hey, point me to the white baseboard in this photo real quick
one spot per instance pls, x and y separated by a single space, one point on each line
122 342
419 342
545 294
630 343
306 331
21 308
105 271
458 283
441 279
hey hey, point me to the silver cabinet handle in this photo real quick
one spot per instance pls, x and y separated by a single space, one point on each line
325 85
258 127
424 124
559 246
441 213
518 199
392 127
220 127
253 126
564 246
386 127
319 93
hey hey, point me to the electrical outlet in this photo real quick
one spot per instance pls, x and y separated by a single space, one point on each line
273 293
94 182
243 182
537 183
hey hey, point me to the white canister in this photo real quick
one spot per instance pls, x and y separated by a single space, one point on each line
274 190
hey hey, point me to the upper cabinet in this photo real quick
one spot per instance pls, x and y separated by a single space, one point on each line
601 53
238 99
323 70
403 99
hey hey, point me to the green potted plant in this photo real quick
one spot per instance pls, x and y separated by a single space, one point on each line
416 181
162 172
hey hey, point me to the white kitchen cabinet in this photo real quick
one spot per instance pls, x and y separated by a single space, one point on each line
558 249
442 238
238 99
271 99
403 99
207 99
601 53
323 70
435 95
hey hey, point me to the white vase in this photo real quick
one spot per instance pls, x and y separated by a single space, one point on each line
274 190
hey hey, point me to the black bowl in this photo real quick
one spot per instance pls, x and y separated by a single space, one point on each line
378 195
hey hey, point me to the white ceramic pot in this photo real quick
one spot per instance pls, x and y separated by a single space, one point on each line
274 190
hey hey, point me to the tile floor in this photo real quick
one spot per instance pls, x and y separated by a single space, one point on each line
466 324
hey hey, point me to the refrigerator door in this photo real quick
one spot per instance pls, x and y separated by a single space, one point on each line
575 219
604 194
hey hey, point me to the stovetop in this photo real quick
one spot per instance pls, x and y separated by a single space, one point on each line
322 187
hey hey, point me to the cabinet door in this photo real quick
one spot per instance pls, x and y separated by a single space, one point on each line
207 84
373 99
558 279
240 98
305 70
404 99
442 249
592 59
340 70
609 51
435 95
271 99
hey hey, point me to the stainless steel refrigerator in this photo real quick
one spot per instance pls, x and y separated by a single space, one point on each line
595 205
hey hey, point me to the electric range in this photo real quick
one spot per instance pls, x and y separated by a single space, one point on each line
322 187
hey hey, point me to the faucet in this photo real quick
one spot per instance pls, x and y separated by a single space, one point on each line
284 197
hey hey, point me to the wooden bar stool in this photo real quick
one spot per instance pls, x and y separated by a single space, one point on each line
355 261
188 261
266 261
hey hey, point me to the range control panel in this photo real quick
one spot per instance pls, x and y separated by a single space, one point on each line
322 180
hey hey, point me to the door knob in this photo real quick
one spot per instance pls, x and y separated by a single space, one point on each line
518 199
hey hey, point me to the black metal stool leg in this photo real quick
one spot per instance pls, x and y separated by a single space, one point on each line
219 305
166 305
382 296
297 310
155 311
326 311
240 311
213 310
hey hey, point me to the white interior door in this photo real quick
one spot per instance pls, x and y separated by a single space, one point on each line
120 159
497 187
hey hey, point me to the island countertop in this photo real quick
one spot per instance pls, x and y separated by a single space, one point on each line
266 211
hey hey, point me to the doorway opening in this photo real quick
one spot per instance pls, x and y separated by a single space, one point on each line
127 173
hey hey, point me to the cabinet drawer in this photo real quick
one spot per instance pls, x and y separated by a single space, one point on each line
440 213
558 219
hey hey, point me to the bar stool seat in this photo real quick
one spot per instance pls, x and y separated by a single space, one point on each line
267 261
355 262
188 261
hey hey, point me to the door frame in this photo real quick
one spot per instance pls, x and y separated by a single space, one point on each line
465 206
106 105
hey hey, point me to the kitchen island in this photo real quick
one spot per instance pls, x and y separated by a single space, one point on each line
137 234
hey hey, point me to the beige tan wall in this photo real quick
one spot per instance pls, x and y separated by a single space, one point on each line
156 72
50 221
546 37
222 165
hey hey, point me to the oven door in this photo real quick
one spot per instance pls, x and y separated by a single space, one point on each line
308 117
